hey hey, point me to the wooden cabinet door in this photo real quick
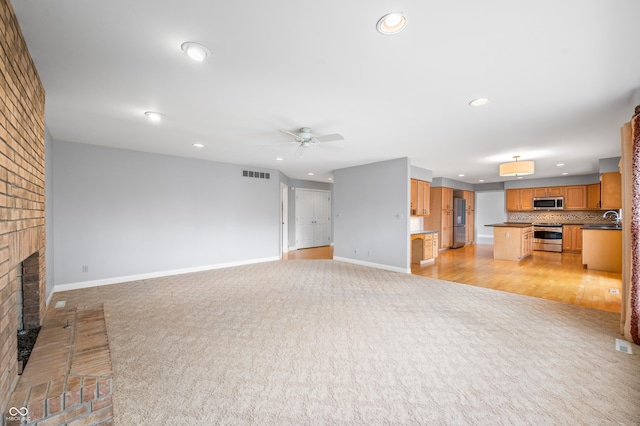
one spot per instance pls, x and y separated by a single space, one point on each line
447 198
469 199
513 200
414 197
470 226
424 198
556 191
593 196
436 245
575 197
427 247
572 238
611 191
446 229
526 199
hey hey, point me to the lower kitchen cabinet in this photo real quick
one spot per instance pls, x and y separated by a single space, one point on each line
424 248
602 249
572 238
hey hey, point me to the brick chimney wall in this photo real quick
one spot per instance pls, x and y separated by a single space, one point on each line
22 192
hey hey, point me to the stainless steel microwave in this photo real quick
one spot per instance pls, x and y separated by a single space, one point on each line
548 203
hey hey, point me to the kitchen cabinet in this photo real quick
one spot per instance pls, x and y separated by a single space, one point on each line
572 238
424 248
611 191
602 249
593 197
441 218
575 197
520 199
512 242
469 198
420 197
550 191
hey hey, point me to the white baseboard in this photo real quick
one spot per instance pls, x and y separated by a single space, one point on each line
124 279
373 265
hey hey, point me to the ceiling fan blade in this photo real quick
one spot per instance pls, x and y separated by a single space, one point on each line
329 138
296 137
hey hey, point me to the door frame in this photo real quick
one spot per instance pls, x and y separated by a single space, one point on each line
284 218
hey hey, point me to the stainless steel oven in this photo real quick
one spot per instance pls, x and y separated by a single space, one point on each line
547 237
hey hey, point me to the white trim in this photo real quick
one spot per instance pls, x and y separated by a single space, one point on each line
50 296
373 265
118 280
293 248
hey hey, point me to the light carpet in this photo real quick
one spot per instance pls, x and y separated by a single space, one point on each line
325 342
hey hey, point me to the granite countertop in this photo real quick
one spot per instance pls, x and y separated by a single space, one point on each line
511 225
423 232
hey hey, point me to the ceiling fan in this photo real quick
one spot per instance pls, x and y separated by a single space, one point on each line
306 139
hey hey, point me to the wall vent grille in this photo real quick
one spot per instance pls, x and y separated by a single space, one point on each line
257 175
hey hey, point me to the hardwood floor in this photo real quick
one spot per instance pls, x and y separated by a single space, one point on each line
554 276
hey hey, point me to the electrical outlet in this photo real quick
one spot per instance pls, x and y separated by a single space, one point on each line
369 253
85 268
614 291
356 251
60 304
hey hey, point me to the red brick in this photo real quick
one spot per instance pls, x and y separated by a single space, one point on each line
101 403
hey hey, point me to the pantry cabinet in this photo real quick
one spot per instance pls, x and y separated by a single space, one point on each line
441 218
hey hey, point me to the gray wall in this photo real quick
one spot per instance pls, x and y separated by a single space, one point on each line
371 206
556 181
48 209
489 208
421 174
125 213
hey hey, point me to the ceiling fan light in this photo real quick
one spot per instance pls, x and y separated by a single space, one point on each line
517 168
195 51
391 23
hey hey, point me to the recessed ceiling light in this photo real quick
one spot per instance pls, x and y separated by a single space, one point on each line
481 180
479 102
559 164
279 159
154 116
310 173
565 173
461 175
198 145
331 179
195 51
391 23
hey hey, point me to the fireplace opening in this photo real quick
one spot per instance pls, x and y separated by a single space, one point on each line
28 307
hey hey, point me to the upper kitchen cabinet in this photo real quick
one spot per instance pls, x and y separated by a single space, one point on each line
611 191
551 191
593 197
575 197
420 197
520 199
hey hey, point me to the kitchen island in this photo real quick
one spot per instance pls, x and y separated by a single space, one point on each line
512 241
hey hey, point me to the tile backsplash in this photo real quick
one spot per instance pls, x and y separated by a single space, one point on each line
566 217
416 223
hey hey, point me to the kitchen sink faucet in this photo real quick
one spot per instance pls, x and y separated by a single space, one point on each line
616 219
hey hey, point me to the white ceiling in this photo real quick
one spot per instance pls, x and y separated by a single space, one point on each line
561 76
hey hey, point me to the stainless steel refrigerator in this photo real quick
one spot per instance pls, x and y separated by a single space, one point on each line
459 222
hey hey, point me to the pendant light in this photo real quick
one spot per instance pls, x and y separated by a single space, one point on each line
517 168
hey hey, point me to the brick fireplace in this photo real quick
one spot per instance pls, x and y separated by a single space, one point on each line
22 195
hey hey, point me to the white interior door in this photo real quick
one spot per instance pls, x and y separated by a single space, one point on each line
313 218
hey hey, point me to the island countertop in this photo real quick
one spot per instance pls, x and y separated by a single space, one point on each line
511 225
